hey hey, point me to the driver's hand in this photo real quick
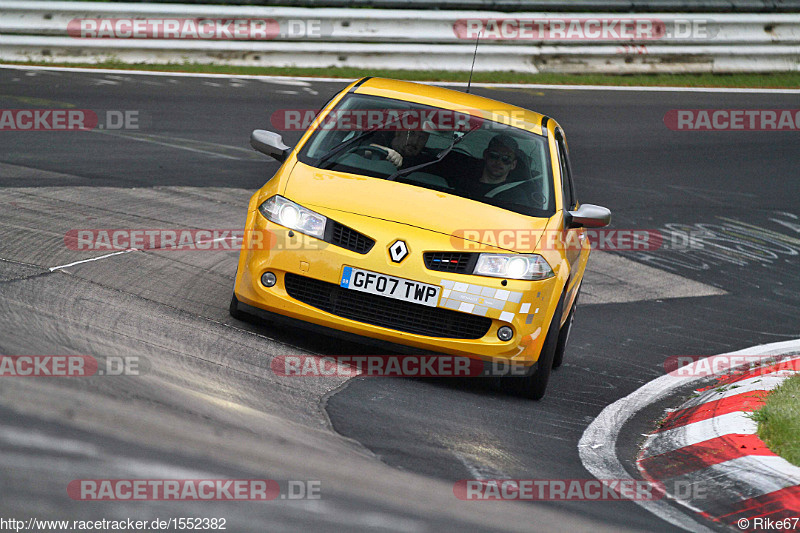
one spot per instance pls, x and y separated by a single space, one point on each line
392 155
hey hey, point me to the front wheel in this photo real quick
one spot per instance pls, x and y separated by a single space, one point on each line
233 309
535 385
563 335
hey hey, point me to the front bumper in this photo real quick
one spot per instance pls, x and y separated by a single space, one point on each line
527 306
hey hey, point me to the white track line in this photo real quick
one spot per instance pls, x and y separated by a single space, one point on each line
53 269
150 139
598 445
540 86
636 88
278 79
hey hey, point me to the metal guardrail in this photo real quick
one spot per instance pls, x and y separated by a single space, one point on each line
561 6
444 40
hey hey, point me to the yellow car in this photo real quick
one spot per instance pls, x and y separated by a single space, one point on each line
424 217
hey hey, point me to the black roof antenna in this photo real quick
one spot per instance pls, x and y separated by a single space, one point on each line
477 40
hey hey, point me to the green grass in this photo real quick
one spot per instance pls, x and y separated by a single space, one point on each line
773 80
779 420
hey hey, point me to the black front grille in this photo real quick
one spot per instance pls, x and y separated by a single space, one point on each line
386 312
458 262
341 235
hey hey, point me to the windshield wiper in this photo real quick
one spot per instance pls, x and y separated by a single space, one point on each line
441 155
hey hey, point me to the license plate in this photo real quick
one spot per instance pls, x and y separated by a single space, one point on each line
390 286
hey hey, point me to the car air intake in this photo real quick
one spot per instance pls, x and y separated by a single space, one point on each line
348 238
386 312
456 262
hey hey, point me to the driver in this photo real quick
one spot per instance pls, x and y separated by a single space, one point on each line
406 148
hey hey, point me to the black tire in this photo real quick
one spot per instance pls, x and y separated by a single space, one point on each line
563 335
234 309
535 385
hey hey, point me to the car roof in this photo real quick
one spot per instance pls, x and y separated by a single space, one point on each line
450 99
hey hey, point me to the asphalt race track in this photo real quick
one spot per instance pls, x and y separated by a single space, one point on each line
385 453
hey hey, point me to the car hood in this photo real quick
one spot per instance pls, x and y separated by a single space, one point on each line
411 205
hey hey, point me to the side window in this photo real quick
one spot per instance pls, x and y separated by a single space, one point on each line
568 192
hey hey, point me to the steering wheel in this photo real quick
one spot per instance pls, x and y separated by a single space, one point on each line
369 152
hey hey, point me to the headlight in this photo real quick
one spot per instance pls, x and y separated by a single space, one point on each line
287 213
513 266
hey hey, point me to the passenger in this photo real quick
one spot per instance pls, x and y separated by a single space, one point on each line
491 179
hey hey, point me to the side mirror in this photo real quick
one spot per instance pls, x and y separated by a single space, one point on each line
269 143
588 216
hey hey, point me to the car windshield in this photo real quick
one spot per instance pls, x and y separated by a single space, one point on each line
439 149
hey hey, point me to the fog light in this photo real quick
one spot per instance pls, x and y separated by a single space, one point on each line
504 333
268 279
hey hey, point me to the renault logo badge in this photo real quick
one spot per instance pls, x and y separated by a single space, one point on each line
398 251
